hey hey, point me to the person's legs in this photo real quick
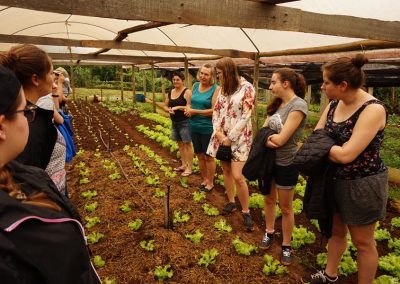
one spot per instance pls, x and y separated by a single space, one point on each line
367 255
188 154
210 171
241 185
285 203
228 180
203 167
269 209
336 245
182 151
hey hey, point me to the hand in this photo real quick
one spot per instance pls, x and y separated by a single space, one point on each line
188 112
271 144
171 111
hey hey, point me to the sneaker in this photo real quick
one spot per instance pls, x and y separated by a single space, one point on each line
286 256
229 208
248 223
319 277
267 241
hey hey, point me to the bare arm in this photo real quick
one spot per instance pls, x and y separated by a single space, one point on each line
205 112
371 120
58 119
322 120
292 123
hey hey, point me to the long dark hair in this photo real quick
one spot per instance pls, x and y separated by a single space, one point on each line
347 69
297 83
230 75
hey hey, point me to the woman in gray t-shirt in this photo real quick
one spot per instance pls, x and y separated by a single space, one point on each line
287 116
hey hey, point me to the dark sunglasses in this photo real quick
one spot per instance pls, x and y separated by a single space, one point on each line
29 112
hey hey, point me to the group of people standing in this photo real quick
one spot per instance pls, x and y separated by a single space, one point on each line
211 116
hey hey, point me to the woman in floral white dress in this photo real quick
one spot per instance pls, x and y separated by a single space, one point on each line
232 127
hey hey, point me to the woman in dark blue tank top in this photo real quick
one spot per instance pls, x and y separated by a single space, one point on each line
175 104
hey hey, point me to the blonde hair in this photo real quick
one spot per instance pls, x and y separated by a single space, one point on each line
212 69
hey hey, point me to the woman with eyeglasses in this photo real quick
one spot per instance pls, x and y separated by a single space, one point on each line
46 147
41 237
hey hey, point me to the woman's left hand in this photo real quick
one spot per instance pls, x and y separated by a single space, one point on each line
188 111
271 144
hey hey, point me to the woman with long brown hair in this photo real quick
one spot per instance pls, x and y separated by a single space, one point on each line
287 116
233 128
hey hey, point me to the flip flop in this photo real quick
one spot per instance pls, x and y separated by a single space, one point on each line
205 189
186 174
179 169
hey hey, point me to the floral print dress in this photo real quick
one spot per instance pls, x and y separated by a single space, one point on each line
232 114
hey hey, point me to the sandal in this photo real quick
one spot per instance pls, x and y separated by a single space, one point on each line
205 189
180 169
186 174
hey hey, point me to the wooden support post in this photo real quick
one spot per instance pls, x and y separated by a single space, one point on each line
133 85
323 103
121 77
72 80
187 73
255 84
144 83
153 88
163 86
308 95
101 94
371 91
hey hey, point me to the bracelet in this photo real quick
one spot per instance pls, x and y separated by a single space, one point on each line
55 96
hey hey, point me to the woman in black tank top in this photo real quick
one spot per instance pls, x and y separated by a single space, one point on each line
360 186
175 104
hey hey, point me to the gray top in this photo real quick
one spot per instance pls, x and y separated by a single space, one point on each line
286 153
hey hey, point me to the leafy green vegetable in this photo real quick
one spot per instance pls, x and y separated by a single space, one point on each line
147 245
302 236
94 237
91 207
390 263
135 225
221 225
210 211
98 261
273 266
242 247
181 218
126 206
208 257
198 196
163 273
159 193
91 221
196 237
89 194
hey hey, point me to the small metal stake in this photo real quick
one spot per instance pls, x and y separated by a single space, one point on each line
167 220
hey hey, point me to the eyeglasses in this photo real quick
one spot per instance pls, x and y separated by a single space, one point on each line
29 112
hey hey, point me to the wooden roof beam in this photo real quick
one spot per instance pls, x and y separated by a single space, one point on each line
246 14
123 45
123 34
273 2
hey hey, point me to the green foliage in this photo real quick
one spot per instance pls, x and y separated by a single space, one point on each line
386 279
163 273
347 265
109 281
159 193
301 236
91 207
196 237
126 206
89 194
135 225
153 181
198 196
242 247
390 263
208 257
297 206
84 181
394 193
273 266
114 176
381 234
147 245
209 210
184 182
98 261
256 200
395 222
181 218
394 244
91 221
94 237
316 224
222 225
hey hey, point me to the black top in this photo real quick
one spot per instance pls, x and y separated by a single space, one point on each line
41 140
179 101
37 244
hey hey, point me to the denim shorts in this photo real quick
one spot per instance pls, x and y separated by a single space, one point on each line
200 142
362 201
181 131
285 176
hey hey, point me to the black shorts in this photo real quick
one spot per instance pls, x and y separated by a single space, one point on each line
285 176
200 142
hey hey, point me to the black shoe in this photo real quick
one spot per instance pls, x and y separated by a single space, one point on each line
267 241
319 277
286 256
248 223
229 208
201 186
205 189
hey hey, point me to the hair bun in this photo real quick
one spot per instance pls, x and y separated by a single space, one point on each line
359 60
